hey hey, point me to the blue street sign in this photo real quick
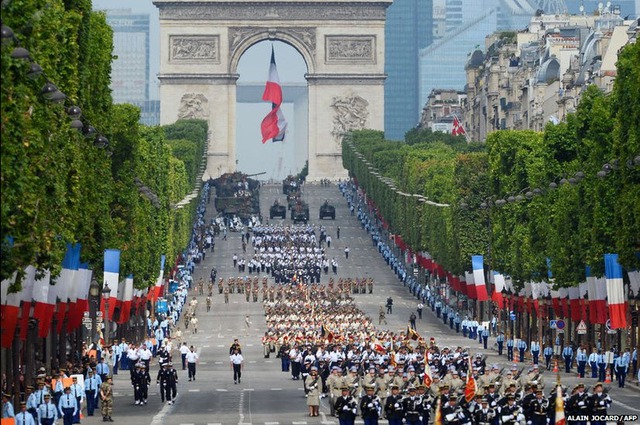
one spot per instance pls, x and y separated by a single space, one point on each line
512 316
553 324
560 324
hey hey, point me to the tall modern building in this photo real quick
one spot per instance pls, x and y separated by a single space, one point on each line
466 24
130 70
408 29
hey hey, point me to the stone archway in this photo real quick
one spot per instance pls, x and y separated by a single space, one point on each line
342 42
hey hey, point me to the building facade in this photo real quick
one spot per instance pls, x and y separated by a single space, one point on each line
525 80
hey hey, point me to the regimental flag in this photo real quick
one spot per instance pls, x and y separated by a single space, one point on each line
274 125
427 379
438 416
615 292
326 334
457 129
379 348
471 388
477 262
560 420
412 334
392 359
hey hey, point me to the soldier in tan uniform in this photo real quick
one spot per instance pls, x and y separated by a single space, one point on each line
335 381
507 382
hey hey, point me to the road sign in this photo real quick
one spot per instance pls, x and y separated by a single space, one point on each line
581 328
560 324
552 324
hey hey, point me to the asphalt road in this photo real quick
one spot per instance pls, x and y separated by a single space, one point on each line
266 395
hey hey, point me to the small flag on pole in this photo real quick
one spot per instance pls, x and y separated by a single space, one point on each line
471 388
560 420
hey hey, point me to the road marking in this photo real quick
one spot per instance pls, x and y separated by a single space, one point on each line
218 362
276 389
158 419
214 423
268 361
299 422
272 423
222 390
206 346
195 390
252 361
249 345
220 345
248 389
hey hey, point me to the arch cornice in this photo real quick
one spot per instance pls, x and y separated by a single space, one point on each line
303 39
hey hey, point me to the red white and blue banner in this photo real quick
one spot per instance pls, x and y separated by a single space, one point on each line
274 125
477 262
615 292
111 276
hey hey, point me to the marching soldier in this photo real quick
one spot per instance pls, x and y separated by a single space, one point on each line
578 403
599 403
47 411
485 414
334 382
538 408
413 407
68 406
167 379
346 407
141 381
394 408
511 413
370 406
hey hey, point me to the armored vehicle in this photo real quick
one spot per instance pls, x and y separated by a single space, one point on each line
327 210
277 210
291 184
237 194
300 212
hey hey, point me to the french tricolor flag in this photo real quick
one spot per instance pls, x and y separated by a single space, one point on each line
111 275
64 283
471 287
477 262
10 311
274 125
127 298
42 310
615 292
155 291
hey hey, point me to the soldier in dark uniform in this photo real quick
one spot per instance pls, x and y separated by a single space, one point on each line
484 415
346 407
168 380
141 381
537 409
578 403
394 408
511 413
413 407
599 402
450 411
370 406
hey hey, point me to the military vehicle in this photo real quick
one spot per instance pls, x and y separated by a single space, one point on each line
237 195
291 184
277 210
300 212
327 210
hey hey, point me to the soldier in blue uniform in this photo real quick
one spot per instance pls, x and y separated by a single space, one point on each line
68 406
500 341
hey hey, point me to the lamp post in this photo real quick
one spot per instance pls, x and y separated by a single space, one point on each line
106 294
94 295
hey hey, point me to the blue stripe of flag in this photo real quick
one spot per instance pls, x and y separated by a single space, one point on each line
612 269
112 261
477 262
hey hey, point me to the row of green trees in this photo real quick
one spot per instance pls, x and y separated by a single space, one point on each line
569 194
56 186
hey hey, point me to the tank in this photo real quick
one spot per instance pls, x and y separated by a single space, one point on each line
277 210
327 210
237 194
300 212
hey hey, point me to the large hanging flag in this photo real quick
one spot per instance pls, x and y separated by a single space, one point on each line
560 420
457 129
64 283
111 277
127 298
10 302
274 125
42 310
615 292
157 288
477 262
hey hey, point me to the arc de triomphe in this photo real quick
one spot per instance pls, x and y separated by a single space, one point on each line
342 43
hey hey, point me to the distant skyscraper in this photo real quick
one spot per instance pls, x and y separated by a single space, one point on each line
408 29
130 71
467 23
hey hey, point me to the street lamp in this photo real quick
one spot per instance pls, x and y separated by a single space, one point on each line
106 294
94 295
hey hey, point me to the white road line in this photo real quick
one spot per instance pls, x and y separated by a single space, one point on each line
276 389
252 361
268 361
299 423
222 390
218 362
272 423
249 345
195 390
214 423
158 419
203 362
206 346
248 389
220 345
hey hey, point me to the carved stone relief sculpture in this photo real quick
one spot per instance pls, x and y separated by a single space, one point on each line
193 106
198 48
351 113
350 48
